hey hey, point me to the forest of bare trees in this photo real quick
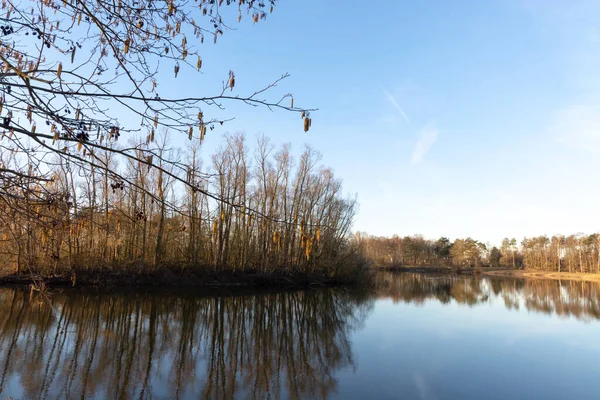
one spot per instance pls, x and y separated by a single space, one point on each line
89 179
273 214
574 253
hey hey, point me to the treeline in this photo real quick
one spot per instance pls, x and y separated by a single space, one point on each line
259 211
574 253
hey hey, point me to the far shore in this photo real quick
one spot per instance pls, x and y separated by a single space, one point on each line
536 274
502 272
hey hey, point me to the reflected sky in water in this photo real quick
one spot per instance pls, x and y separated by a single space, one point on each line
461 338
413 337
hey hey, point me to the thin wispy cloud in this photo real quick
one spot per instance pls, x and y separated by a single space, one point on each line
427 138
394 103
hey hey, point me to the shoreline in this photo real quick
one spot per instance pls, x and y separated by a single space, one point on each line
187 278
203 279
535 274
500 273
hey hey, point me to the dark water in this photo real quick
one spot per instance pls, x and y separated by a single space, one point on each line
415 337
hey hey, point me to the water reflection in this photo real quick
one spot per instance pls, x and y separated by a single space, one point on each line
276 344
285 344
563 298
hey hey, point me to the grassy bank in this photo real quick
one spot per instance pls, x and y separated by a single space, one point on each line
537 274
499 272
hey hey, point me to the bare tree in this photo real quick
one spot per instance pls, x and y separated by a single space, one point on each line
70 70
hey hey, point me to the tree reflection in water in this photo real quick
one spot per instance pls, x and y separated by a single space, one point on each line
282 344
564 298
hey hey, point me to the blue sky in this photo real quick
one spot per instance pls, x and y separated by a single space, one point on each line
463 118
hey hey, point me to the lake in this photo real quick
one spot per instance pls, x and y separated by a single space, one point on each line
413 337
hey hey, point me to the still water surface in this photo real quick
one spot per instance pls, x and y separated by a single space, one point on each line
415 337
